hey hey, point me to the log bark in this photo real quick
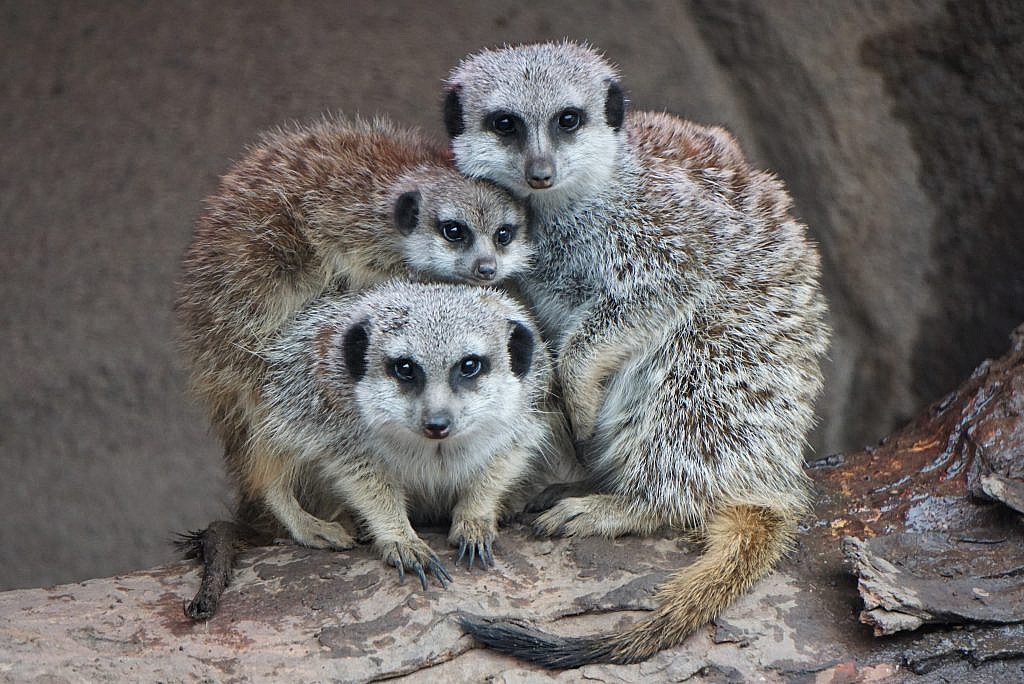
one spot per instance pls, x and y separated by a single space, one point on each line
920 537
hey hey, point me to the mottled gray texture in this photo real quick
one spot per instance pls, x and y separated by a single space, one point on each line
896 126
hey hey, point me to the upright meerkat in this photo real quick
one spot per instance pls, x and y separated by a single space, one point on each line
413 401
682 301
335 205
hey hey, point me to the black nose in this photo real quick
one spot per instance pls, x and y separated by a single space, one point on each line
540 173
437 427
486 270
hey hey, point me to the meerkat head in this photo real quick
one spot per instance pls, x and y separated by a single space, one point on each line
543 120
440 365
457 229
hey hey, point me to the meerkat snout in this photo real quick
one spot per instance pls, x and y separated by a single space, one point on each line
437 426
540 173
486 269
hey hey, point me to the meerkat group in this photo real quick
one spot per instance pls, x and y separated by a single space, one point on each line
678 296
333 207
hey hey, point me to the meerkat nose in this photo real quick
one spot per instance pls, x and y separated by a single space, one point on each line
486 269
437 427
540 173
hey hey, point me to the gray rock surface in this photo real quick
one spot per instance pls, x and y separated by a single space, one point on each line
898 127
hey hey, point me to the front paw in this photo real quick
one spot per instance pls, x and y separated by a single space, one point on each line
552 494
415 556
475 536
320 534
572 517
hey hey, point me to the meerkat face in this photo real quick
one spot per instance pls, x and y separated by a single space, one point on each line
461 230
438 367
543 120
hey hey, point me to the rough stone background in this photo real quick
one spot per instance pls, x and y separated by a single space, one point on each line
898 127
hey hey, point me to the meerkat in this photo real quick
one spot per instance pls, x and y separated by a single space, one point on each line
409 402
682 302
336 205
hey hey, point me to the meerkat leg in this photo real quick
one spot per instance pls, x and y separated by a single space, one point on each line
604 515
552 494
304 528
475 518
602 343
382 508
268 478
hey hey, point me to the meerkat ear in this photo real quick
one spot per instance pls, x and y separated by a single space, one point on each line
407 211
614 105
520 349
453 121
353 347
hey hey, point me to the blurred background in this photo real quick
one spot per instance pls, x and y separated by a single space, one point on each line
898 126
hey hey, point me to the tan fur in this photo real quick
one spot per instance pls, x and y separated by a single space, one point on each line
742 544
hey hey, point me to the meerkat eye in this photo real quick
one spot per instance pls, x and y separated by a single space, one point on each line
503 123
404 370
470 367
569 120
504 235
453 231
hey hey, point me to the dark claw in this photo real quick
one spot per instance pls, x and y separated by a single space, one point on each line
472 555
419 571
444 570
462 551
438 571
490 553
397 562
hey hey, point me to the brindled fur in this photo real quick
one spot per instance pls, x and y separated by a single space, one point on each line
682 300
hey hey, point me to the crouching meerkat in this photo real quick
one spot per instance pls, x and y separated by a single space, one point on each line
682 301
336 205
410 401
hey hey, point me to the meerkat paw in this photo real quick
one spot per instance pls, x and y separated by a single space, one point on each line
604 515
415 556
320 534
475 536
552 494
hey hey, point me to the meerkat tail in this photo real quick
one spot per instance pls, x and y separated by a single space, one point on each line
743 543
218 547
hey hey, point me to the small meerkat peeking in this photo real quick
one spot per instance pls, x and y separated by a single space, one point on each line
336 205
682 301
410 401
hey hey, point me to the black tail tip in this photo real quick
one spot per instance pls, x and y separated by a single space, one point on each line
521 641
190 544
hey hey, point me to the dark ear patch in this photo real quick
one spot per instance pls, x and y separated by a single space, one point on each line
453 121
614 105
407 211
354 346
520 349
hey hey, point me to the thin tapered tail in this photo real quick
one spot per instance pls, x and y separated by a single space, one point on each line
217 547
743 544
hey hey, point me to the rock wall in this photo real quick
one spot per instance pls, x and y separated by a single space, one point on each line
897 126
